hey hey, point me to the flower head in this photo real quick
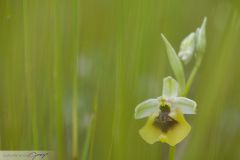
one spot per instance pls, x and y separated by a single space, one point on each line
166 122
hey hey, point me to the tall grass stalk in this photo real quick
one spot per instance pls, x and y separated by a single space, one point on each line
115 146
76 50
57 80
93 126
89 142
30 90
75 117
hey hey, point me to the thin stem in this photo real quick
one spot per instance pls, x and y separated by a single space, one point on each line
75 102
192 76
88 139
75 116
57 79
172 152
93 127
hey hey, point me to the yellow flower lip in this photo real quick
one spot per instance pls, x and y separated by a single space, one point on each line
175 134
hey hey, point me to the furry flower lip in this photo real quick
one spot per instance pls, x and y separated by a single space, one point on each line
163 120
166 122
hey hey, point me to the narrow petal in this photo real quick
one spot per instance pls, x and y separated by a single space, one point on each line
170 87
149 132
187 106
146 108
180 131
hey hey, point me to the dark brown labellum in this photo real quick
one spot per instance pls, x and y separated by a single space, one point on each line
164 121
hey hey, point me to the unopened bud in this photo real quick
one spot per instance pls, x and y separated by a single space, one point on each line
187 48
201 37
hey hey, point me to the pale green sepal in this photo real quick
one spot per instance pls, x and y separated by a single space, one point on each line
170 87
187 106
175 63
146 108
187 48
201 37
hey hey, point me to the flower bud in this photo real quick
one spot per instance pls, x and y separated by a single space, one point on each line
187 48
201 37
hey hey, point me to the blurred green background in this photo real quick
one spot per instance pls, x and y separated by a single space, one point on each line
72 72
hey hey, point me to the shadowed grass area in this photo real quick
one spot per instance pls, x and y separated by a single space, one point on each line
73 71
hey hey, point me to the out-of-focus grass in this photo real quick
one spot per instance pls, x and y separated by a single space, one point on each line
72 73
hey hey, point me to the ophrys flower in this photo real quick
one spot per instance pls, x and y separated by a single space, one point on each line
166 122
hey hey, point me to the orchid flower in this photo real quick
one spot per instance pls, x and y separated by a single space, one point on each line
166 122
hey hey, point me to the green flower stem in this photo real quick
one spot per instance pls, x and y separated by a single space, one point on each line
172 152
192 76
